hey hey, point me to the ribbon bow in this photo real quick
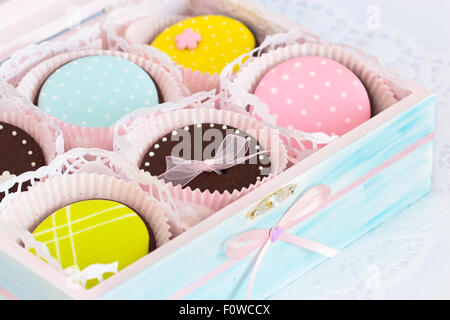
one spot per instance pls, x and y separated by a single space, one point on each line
246 243
231 152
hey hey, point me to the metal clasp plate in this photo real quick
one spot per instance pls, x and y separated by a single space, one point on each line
271 201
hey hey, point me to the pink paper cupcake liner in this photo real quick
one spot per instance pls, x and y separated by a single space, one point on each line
251 73
39 131
143 135
29 208
76 136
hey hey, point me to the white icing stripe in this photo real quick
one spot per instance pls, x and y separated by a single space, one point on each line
90 228
79 220
58 255
74 252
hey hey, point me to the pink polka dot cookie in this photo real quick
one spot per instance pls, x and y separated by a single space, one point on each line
315 94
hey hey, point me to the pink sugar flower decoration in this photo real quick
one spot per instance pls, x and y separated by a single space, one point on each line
188 39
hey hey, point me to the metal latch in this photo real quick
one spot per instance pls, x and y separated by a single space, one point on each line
271 201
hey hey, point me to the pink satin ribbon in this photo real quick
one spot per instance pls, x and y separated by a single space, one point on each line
230 153
262 239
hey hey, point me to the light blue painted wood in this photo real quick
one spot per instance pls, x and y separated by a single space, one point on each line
344 221
338 225
21 282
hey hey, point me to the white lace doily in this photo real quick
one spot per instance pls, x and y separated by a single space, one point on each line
379 260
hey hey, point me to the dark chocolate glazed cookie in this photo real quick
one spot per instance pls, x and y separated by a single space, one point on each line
20 153
200 142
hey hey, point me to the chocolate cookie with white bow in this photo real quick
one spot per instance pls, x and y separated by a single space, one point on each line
208 156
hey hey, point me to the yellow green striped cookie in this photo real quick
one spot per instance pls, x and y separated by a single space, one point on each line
95 231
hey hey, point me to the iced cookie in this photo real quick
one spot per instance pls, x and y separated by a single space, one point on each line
206 43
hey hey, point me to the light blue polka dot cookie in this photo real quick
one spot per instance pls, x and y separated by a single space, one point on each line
96 91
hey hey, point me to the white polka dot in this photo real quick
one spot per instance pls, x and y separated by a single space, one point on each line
77 91
297 65
24 142
116 90
151 154
85 78
360 107
30 153
127 109
89 67
89 110
199 125
261 168
61 85
301 86
318 124
111 103
289 101
147 164
332 109
1 127
257 147
312 73
33 164
14 133
344 95
356 82
55 97
347 120
274 90
164 139
107 116
224 127
285 76
132 96
94 98
327 84
261 157
237 131
174 133
156 146
101 84
303 112
339 71
323 62
316 97
186 128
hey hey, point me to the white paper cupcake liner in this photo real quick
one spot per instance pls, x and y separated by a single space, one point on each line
31 207
142 136
76 136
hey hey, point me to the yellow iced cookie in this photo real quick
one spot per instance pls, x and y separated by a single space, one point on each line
206 43
94 231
